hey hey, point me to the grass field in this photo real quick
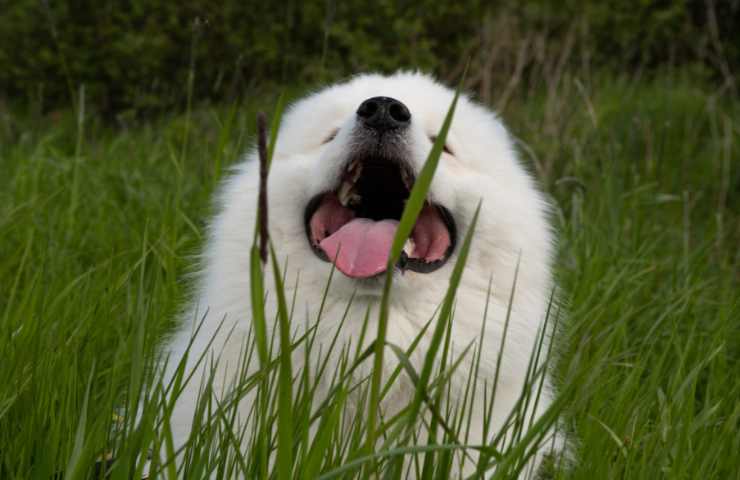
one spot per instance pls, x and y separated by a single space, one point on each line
98 226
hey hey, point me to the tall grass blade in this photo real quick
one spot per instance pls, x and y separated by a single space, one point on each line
285 380
257 258
277 115
257 293
342 471
322 441
442 322
75 466
411 211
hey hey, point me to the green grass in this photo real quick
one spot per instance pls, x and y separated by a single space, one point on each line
98 226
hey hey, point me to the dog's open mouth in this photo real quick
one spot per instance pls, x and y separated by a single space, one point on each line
354 224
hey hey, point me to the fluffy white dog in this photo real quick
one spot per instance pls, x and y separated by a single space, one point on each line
343 165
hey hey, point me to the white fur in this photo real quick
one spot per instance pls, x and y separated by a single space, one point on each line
513 227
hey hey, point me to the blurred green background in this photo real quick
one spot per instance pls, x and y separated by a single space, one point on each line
119 119
135 56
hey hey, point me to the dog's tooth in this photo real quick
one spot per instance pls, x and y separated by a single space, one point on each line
344 193
409 247
356 172
406 177
354 199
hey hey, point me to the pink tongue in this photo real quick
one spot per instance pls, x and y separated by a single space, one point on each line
363 246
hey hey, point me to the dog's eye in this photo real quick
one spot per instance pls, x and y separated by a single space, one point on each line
446 148
331 136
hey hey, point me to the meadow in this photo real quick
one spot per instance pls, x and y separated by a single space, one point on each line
100 223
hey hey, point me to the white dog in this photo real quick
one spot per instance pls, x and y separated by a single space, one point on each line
343 165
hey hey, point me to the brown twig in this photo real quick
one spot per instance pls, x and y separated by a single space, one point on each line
262 200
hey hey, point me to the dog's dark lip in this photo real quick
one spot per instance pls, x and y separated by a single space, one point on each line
420 266
401 179
311 208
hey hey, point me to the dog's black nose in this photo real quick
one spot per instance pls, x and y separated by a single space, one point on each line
384 113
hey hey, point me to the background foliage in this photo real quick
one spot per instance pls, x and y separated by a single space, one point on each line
137 54
626 111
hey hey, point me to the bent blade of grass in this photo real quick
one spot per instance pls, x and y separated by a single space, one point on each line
409 351
411 211
341 472
229 423
438 417
613 436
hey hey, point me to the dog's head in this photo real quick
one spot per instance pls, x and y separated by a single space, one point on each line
346 159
